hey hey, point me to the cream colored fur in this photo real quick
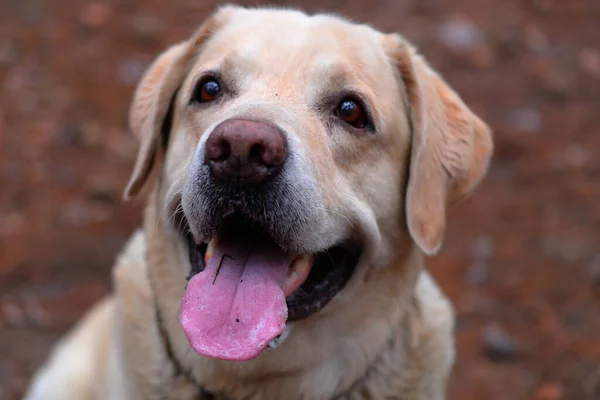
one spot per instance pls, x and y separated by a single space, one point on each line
389 333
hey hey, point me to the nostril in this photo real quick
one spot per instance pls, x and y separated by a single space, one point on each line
218 150
256 154
224 150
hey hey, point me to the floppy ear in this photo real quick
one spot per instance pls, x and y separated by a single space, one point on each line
151 109
450 153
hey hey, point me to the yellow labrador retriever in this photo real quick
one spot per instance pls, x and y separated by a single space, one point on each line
306 167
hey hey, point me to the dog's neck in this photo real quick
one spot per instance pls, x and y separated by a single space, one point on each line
391 373
315 362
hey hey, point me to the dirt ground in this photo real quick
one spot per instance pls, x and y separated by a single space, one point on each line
521 260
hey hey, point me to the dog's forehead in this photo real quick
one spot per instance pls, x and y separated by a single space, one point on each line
293 43
295 29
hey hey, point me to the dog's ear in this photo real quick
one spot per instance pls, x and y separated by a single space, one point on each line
450 151
151 110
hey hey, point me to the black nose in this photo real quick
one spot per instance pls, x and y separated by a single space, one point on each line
245 152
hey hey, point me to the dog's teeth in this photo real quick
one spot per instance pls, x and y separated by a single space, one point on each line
297 274
209 251
273 344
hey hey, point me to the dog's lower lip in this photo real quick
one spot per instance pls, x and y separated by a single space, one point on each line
330 272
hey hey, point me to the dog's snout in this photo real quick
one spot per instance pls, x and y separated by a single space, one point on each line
245 152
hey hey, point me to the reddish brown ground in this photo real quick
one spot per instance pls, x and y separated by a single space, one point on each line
522 256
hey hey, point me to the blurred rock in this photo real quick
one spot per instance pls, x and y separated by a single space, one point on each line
535 39
13 315
27 313
9 52
30 11
570 249
96 15
557 85
473 302
483 57
460 34
74 214
483 247
540 6
147 27
595 273
576 156
15 80
36 316
91 134
120 143
424 7
589 61
101 211
549 391
131 70
482 251
64 175
126 4
12 172
477 273
12 224
70 136
525 120
79 214
507 40
103 194
509 150
573 319
498 345
553 78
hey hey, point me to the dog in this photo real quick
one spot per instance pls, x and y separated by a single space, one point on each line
305 166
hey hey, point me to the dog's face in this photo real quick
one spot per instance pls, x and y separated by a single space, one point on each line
300 151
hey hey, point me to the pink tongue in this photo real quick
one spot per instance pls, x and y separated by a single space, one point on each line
236 306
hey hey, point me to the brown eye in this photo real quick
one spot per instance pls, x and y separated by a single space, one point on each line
207 90
351 112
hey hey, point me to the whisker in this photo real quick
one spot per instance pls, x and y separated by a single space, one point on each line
329 255
338 213
168 203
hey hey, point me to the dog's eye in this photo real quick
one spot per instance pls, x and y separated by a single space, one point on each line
352 112
207 90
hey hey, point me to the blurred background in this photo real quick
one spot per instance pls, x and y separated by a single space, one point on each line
521 260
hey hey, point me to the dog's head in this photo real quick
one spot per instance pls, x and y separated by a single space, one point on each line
298 152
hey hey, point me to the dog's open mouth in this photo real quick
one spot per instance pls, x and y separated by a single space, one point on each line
243 288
